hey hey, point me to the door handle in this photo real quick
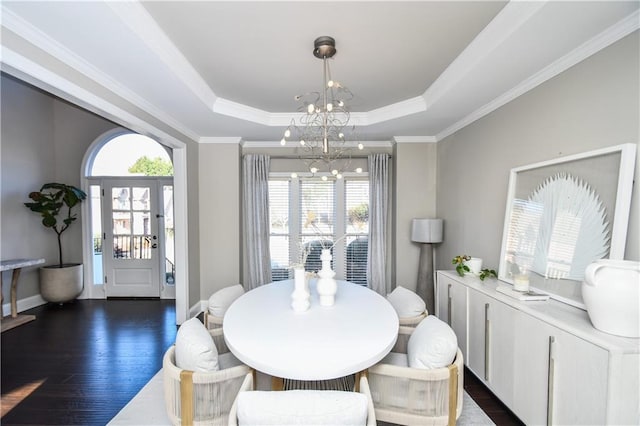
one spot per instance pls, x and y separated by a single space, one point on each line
550 379
487 336
154 245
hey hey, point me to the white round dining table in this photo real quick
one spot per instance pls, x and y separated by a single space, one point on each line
264 332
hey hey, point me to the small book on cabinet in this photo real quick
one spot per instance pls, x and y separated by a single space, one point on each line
521 295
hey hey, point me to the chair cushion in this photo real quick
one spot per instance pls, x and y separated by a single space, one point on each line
228 360
195 349
406 302
433 344
396 358
302 407
220 301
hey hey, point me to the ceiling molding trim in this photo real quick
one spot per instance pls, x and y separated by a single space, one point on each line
33 35
33 73
512 16
141 23
237 140
351 144
415 139
397 110
242 112
285 119
601 41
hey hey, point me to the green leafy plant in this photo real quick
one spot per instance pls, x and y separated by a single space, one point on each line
54 200
484 273
461 268
459 260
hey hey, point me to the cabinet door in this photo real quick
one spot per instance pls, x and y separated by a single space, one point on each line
491 344
560 378
579 391
452 309
534 341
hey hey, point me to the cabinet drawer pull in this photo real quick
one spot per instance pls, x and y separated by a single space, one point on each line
550 379
449 305
486 341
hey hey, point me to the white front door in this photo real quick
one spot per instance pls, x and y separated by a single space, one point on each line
131 238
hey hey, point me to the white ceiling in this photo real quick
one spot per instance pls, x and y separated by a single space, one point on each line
214 70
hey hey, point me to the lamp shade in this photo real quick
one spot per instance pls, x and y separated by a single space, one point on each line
426 230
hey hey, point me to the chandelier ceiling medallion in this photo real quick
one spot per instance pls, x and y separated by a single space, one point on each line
323 128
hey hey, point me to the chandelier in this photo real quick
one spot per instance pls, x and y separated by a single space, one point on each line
323 127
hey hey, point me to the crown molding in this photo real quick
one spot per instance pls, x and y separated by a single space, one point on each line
33 73
42 41
415 139
141 23
242 111
350 144
512 16
399 109
221 140
609 36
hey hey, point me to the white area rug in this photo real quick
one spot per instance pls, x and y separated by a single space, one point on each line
147 409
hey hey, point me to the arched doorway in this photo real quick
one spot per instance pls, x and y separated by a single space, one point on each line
130 187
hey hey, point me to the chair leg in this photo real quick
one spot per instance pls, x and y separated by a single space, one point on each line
277 383
453 394
186 397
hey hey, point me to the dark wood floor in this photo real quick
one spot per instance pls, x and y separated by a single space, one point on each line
80 363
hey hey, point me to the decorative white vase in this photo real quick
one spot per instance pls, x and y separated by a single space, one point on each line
300 296
327 285
611 291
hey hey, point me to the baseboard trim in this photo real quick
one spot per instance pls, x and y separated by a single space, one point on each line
197 309
24 304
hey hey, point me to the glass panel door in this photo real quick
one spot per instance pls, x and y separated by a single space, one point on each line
131 238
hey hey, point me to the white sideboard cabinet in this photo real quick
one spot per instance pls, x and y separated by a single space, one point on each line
543 359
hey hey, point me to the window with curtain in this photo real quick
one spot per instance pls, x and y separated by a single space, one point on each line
308 214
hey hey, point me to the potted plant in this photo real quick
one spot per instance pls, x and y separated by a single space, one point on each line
461 267
55 202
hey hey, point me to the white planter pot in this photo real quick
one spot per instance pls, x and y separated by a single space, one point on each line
61 285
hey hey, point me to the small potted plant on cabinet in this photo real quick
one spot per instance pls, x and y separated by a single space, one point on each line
462 267
62 282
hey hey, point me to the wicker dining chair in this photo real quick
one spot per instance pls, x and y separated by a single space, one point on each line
410 396
202 398
303 407
410 307
218 304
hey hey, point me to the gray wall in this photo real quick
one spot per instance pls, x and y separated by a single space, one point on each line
414 192
220 217
43 140
592 105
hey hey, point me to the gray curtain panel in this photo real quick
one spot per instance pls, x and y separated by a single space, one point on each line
378 223
255 182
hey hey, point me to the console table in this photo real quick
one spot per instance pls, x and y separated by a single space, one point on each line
16 266
543 359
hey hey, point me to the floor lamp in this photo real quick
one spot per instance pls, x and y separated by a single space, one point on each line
426 232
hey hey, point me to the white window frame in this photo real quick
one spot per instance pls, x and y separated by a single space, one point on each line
339 215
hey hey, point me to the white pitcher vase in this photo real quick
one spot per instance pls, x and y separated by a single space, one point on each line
327 285
300 296
611 293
